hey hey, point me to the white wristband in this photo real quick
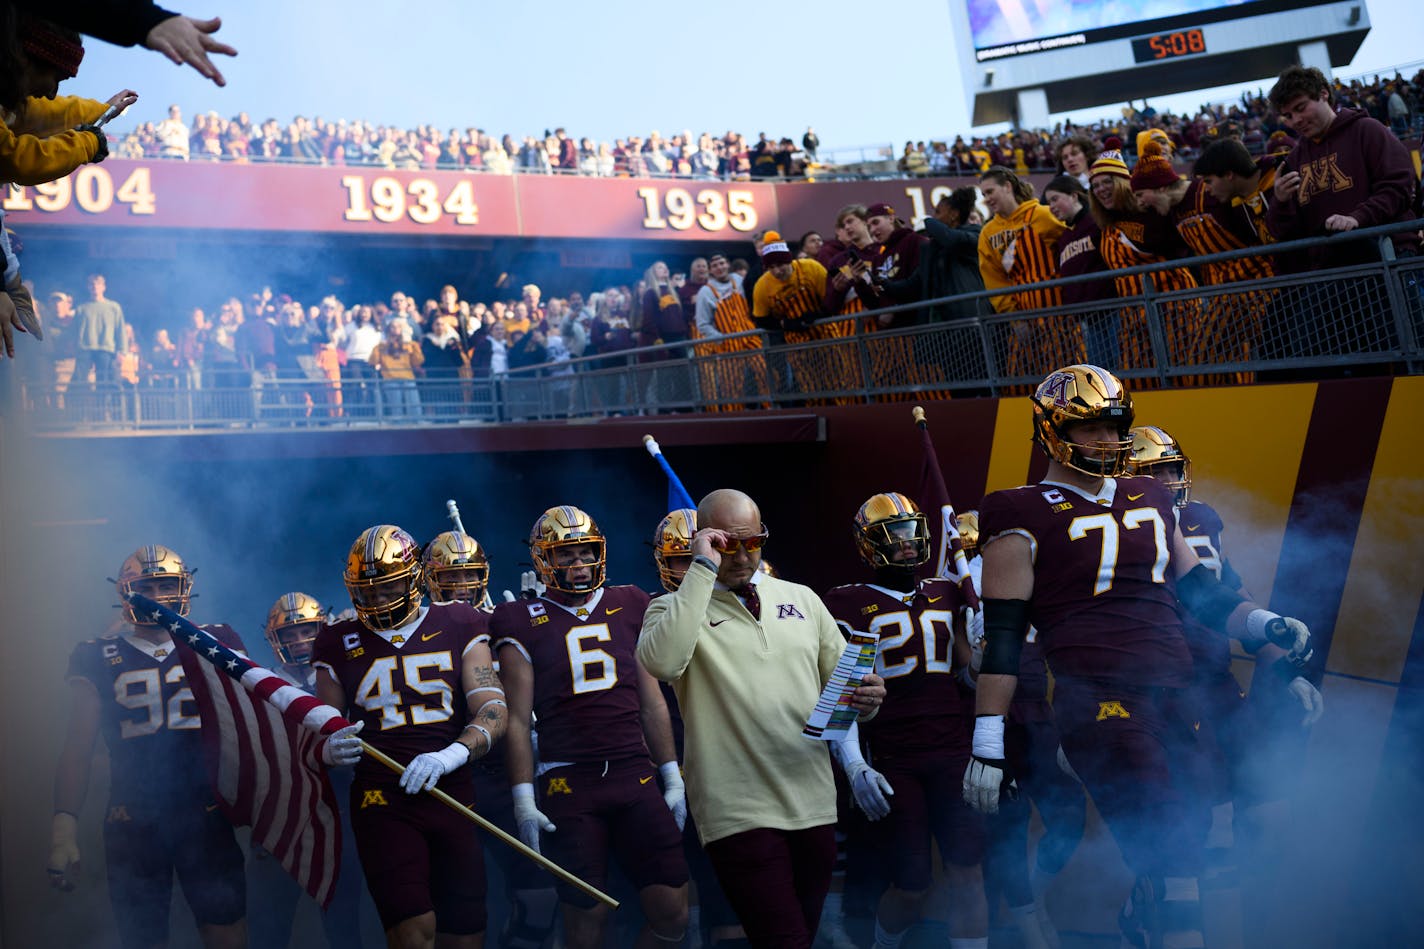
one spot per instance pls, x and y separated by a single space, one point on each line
671 774
454 755
1256 621
989 736
522 792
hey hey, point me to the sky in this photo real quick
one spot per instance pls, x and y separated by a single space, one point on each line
861 74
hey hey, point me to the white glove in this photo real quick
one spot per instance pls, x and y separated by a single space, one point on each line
342 747
984 778
422 773
63 865
674 792
530 586
1263 626
869 786
1310 699
528 818
509 596
974 629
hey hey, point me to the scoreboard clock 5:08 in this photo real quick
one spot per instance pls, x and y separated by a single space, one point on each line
1164 46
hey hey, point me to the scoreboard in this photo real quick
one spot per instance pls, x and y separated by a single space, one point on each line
1024 59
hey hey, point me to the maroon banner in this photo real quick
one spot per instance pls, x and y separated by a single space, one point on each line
362 200
174 194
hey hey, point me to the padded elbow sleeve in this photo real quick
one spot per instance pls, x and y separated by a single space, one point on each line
1005 626
1207 598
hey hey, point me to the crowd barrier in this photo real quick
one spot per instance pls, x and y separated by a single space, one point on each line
1361 318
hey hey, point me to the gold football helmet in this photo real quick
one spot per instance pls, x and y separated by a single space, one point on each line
766 568
566 526
673 539
884 523
292 625
383 576
968 523
1083 393
1159 455
455 568
158 573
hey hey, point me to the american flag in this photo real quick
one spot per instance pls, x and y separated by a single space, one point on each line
264 754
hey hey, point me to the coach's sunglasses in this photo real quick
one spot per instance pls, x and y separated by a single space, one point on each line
750 544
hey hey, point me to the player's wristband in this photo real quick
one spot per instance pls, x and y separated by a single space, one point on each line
1256 623
522 792
671 774
489 742
989 737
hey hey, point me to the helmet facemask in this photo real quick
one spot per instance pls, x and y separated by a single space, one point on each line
159 574
383 577
554 562
456 569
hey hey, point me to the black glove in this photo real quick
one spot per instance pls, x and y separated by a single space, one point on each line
102 151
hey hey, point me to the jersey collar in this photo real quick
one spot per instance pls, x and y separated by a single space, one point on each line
583 610
901 595
404 632
153 650
1104 497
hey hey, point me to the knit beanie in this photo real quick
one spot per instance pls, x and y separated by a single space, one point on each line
44 41
773 250
1109 163
1153 170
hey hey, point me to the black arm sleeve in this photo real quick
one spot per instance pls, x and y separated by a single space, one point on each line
1005 626
121 22
1207 598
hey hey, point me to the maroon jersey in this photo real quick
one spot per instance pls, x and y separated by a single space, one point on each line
147 716
407 689
1104 597
585 674
924 708
1201 528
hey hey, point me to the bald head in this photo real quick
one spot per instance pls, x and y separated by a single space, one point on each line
737 515
730 510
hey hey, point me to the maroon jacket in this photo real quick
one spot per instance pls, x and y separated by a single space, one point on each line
1078 254
1357 168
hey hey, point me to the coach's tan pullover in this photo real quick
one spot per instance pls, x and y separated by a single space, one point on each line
745 689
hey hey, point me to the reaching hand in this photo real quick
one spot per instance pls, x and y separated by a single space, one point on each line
122 99
343 747
63 864
1310 699
184 39
528 818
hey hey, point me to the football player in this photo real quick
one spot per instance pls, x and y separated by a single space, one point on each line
292 626
1229 718
456 568
567 658
420 680
1098 564
162 816
920 740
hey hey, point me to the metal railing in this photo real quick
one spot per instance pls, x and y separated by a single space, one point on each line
1301 325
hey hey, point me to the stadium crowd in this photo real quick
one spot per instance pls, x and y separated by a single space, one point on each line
1100 215
1395 101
